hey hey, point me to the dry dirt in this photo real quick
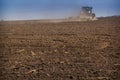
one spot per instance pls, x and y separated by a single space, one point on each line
33 50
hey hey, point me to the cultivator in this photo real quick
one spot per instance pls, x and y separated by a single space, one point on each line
84 15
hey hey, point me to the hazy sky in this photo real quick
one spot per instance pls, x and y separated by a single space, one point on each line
42 9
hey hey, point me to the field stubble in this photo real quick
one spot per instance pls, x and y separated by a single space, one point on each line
60 51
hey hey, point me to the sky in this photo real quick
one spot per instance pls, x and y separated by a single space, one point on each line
49 9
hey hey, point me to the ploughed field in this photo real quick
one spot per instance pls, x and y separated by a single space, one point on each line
34 50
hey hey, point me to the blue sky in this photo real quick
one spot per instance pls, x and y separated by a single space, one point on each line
44 9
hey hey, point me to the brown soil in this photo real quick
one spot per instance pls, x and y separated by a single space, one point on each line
31 50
